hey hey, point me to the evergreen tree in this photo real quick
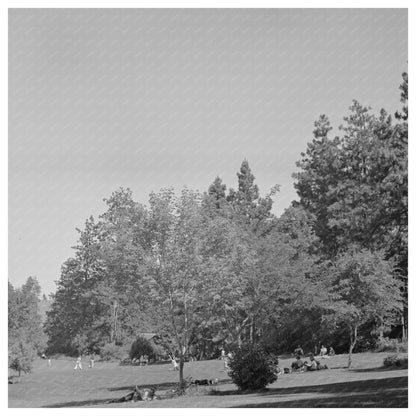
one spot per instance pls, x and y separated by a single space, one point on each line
356 185
217 191
76 311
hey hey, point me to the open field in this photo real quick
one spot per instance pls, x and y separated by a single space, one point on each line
365 385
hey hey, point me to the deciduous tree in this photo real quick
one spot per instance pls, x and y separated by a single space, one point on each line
366 288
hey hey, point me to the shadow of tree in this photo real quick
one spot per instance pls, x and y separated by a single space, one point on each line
374 369
392 400
164 387
77 403
158 386
387 392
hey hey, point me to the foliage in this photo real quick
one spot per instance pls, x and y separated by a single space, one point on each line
175 280
99 297
25 332
366 288
75 310
251 368
404 87
356 185
396 360
141 346
22 353
392 345
24 313
209 270
355 190
110 351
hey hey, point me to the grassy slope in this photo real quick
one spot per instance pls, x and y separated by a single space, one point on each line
367 384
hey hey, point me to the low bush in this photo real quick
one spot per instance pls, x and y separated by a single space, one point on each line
396 360
110 352
141 347
251 368
391 345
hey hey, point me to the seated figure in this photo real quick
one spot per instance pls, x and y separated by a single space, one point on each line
298 364
134 396
312 365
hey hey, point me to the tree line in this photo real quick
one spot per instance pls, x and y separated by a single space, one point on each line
26 337
218 268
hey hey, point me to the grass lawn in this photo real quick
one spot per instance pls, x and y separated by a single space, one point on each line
367 384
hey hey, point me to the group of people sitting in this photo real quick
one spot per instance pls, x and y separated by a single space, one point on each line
323 352
313 365
142 360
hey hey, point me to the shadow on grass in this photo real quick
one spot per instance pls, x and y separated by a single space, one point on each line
78 404
159 386
379 393
375 369
166 387
382 393
387 392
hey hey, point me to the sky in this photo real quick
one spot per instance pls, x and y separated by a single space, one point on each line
151 98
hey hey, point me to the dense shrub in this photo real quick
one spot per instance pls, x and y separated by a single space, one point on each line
141 347
391 345
110 352
159 351
252 368
396 360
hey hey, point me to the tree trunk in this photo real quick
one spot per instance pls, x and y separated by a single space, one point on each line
181 380
380 334
353 340
115 321
113 334
314 344
252 331
404 332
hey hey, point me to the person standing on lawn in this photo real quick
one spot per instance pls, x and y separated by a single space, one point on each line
175 364
78 364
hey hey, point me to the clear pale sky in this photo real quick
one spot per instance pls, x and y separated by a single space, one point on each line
147 99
